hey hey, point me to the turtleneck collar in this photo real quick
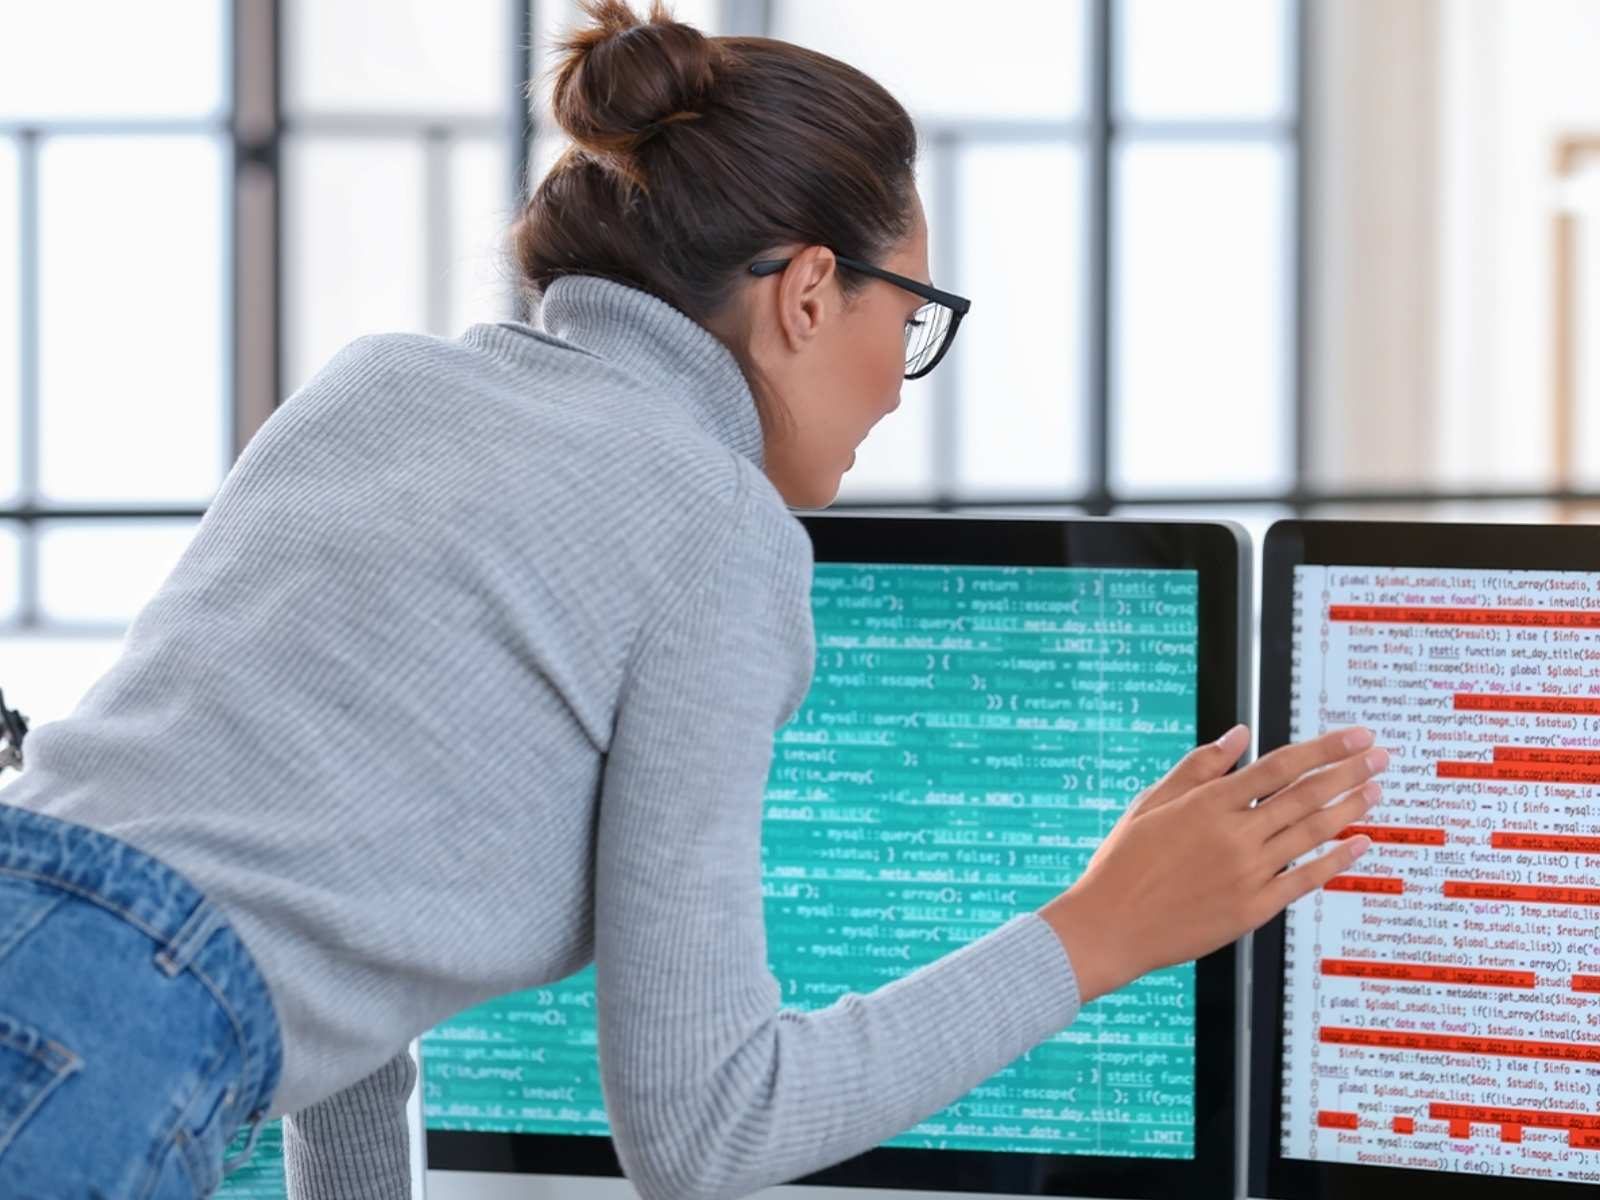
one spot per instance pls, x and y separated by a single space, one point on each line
666 351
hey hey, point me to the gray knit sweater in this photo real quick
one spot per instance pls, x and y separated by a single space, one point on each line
469 675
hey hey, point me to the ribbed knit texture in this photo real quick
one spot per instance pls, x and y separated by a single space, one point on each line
354 1145
471 673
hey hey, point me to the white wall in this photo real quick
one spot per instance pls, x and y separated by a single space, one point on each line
1516 77
1371 196
1432 132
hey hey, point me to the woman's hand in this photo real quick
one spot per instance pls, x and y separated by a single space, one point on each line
1195 863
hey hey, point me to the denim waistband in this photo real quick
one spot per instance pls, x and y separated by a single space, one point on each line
187 929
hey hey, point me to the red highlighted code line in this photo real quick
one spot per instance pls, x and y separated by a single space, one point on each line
1586 983
1449 1043
1336 1120
1385 885
1518 772
1533 1117
1398 835
1502 702
1539 754
1404 614
1404 1125
1521 893
1359 968
1548 843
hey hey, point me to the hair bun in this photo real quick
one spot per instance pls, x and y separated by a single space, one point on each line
621 80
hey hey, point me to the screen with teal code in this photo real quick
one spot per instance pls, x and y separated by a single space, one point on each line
971 735
261 1176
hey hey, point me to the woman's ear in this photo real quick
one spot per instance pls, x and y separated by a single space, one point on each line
808 295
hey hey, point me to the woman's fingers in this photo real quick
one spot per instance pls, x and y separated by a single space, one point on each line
1320 826
1312 792
1273 772
1285 889
1192 866
1200 765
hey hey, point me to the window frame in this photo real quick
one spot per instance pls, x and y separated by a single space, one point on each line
255 127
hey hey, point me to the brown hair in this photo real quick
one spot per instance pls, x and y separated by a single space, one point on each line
692 156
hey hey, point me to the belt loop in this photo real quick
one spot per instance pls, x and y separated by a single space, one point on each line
197 929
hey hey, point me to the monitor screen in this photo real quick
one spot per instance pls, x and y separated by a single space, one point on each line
971 734
1440 1003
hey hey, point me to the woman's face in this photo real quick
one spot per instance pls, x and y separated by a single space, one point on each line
829 365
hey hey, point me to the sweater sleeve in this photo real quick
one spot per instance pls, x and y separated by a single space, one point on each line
713 1089
354 1145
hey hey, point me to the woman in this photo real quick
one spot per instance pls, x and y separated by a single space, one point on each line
471 674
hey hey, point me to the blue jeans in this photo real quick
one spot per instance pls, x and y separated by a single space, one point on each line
136 1036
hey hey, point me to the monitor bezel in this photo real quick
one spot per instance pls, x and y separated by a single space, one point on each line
1293 543
1219 553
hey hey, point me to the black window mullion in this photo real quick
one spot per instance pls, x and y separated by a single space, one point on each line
523 122
1097 499
945 253
1299 217
256 118
28 443
437 253
747 18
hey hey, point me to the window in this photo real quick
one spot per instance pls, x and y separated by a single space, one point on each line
212 243
115 280
1115 186
1121 207
399 161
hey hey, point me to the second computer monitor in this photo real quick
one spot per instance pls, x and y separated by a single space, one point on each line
1428 1025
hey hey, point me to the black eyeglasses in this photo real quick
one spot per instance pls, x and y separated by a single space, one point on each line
931 328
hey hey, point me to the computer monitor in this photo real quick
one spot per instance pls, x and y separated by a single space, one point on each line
1428 1025
989 695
